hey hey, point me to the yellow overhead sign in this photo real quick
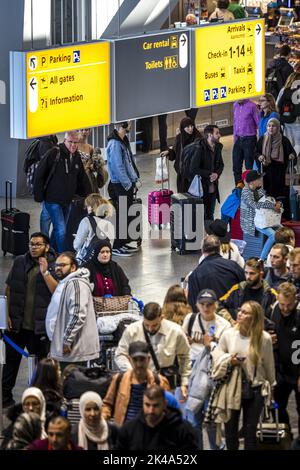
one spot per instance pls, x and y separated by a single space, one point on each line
67 88
229 62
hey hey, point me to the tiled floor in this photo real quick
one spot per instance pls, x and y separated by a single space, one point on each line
155 268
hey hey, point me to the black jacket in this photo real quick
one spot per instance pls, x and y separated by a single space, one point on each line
287 330
216 273
237 295
119 278
284 71
171 434
17 280
203 165
68 179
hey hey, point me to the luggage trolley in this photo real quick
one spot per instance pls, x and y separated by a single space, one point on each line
114 314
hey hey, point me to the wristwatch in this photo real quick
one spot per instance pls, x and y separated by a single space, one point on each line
46 273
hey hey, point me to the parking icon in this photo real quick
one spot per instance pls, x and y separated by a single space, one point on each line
206 95
76 56
215 93
223 92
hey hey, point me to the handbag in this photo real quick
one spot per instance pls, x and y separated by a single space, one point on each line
267 217
111 305
171 373
196 188
83 379
161 174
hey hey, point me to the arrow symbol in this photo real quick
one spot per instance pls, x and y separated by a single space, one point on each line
32 83
258 29
183 39
32 62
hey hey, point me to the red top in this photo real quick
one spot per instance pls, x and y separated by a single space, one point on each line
104 286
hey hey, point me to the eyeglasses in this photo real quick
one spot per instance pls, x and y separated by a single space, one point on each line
62 265
74 142
36 245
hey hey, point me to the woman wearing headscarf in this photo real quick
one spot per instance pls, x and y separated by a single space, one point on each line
27 428
33 400
93 432
106 275
187 135
274 151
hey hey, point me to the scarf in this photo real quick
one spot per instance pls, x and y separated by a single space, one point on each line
102 268
98 433
272 147
27 428
37 393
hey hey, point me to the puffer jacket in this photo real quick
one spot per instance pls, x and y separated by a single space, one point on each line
17 281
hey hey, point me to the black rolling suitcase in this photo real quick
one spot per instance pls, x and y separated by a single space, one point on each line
77 213
15 226
186 219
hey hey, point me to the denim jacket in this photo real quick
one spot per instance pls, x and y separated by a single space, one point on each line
120 162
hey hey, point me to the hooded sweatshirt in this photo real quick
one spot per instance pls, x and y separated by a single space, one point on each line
76 320
172 434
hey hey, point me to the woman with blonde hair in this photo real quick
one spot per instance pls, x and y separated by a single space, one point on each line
247 348
268 110
176 306
97 222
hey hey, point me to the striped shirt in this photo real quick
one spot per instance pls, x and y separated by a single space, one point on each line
248 208
135 404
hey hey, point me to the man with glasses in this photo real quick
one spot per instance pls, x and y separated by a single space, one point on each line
59 176
29 287
71 321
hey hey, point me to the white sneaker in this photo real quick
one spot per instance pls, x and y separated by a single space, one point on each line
121 252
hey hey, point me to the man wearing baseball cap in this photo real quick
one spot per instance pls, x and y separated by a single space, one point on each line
201 329
124 398
250 202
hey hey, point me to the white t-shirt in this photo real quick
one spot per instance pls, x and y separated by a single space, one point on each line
197 346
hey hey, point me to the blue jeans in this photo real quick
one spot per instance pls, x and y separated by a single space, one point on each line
59 215
45 220
270 233
196 420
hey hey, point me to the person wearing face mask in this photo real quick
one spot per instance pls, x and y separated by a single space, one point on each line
71 319
274 151
250 202
167 342
106 275
93 432
187 135
124 177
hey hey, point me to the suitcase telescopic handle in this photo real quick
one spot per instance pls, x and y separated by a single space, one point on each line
291 173
8 184
162 172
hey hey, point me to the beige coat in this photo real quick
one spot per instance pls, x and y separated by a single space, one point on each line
173 344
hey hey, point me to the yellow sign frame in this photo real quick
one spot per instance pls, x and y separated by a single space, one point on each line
229 62
68 88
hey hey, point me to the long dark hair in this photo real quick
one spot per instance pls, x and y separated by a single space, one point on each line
47 375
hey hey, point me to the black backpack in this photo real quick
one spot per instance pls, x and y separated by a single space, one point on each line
93 245
32 159
187 156
289 105
274 80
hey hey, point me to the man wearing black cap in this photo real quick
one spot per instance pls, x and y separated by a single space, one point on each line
202 329
250 202
124 398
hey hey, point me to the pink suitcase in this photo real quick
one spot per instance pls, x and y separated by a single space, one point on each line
159 203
